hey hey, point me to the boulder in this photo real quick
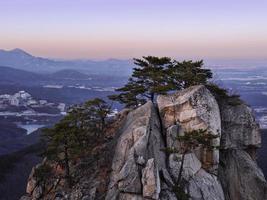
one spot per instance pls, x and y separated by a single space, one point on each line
240 129
240 176
205 186
150 180
129 179
138 151
192 109
191 165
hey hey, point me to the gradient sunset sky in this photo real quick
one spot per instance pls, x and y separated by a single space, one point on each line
99 29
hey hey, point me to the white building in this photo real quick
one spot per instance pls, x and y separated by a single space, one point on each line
43 102
14 101
61 107
5 96
24 95
31 102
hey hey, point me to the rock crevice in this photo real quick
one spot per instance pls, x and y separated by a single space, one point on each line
208 173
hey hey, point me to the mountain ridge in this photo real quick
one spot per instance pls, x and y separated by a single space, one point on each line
12 75
20 59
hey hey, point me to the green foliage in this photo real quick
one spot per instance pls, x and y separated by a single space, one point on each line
90 118
130 94
180 193
187 73
64 135
148 79
195 138
43 172
188 142
77 129
159 75
218 93
223 96
234 100
73 135
170 150
96 112
150 74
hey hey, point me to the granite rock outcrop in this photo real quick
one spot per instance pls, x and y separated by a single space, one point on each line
140 168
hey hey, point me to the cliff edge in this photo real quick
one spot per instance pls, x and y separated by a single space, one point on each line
137 167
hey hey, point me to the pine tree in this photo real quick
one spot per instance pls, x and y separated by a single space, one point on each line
75 133
63 143
98 110
188 142
159 75
184 74
130 94
148 79
151 75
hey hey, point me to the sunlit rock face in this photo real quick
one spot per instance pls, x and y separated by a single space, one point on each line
192 109
138 159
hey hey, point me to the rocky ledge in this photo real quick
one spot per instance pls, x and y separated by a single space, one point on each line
142 170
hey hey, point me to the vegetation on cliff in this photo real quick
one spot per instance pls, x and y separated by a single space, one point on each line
189 141
74 134
83 133
159 75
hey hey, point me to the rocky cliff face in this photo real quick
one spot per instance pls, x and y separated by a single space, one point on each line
239 174
141 170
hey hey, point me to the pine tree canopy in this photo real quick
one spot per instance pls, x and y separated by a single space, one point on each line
72 136
159 75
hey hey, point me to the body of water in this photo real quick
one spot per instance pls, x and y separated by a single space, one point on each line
30 127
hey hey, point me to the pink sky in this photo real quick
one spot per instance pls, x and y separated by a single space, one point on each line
125 29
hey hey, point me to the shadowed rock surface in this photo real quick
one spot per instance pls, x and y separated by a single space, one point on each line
239 174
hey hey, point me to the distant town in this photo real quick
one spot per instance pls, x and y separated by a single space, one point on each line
22 103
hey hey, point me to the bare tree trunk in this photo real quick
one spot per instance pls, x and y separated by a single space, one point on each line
103 123
181 169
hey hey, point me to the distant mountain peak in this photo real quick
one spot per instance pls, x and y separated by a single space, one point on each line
20 59
17 50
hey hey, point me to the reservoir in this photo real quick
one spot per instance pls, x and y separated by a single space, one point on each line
30 127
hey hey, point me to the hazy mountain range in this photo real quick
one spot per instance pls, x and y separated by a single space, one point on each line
22 77
20 59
